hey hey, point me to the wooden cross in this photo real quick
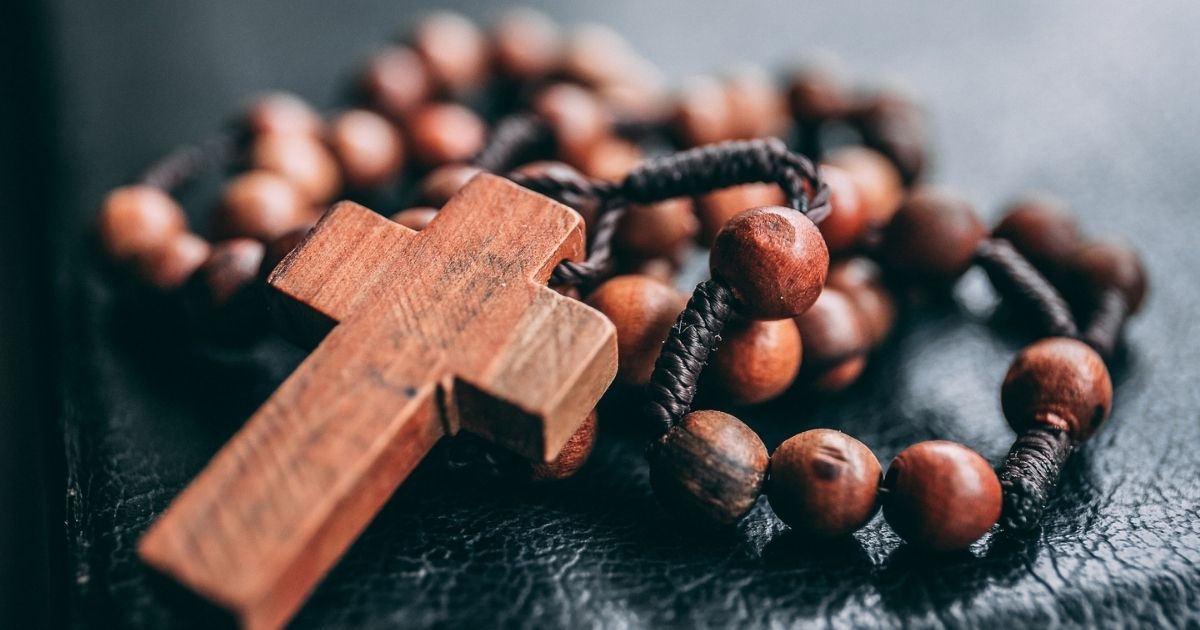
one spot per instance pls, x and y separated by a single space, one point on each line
446 329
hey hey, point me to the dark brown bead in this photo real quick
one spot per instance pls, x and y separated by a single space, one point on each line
445 132
933 237
658 229
396 81
527 45
895 124
282 113
303 160
708 469
444 182
1106 265
834 336
941 495
278 249
719 206
859 279
222 298
261 205
819 93
611 158
757 107
578 119
415 218
847 220
168 266
454 50
369 148
1060 383
773 259
135 220
756 360
880 188
1042 229
824 483
572 457
643 311
702 113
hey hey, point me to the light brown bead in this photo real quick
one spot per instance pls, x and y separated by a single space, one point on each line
1042 228
719 206
303 160
611 158
708 469
415 218
879 185
1107 265
824 483
941 495
933 237
1059 383
527 45
597 55
444 182
282 113
261 205
702 113
577 118
168 266
396 81
757 107
847 220
773 259
834 336
859 278
222 297
369 148
572 457
136 220
756 360
444 132
657 229
454 50
643 311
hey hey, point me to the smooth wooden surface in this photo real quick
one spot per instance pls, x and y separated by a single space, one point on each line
447 329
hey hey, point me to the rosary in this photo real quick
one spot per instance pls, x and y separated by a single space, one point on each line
532 266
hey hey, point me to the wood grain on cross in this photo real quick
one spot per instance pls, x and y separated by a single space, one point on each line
450 328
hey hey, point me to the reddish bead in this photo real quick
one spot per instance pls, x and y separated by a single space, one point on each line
444 132
941 495
369 148
282 113
879 185
527 44
303 160
756 360
834 338
719 206
773 259
933 236
578 119
1042 229
1059 383
824 483
396 81
611 158
757 108
702 113
1104 266
135 220
168 266
859 279
572 457
643 311
454 50
444 182
261 205
657 229
847 220
415 218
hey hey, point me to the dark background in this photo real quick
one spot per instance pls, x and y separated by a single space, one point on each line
1094 101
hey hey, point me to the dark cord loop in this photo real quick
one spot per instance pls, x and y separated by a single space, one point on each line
1015 277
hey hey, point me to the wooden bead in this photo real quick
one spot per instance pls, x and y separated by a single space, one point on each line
941 495
415 218
396 81
261 205
860 279
222 296
840 376
643 311
1106 265
135 220
303 160
719 206
443 182
657 229
369 148
1042 229
702 113
1060 383
879 185
756 360
597 55
454 50
168 266
527 45
577 118
757 108
708 469
933 237
892 121
824 483
773 259
847 220
572 457
819 93
611 158
834 338
282 113
445 132
587 207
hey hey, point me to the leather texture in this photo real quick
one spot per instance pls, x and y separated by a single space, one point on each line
1094 102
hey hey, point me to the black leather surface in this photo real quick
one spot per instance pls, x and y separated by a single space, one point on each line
1096 103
